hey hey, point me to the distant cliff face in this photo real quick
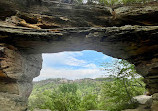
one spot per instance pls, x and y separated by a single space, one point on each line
29 28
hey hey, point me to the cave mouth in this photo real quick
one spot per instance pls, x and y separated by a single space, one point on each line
130 35
82 71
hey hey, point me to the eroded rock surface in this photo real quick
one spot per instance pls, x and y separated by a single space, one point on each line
17 70
29 28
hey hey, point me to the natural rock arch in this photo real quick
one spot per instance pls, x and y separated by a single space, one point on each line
48 27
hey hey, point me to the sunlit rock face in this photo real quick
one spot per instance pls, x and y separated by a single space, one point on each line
29 28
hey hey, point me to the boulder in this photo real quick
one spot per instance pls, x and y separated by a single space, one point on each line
154 106
143 99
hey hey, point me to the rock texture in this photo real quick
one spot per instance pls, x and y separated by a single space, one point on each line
29 28
17 70
143 99
154 106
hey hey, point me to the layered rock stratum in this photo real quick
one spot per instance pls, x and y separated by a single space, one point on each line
29 28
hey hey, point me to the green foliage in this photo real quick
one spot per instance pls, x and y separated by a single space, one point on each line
117 94
64 98
41 101
67 88
113 93
109 2
65 102
89 102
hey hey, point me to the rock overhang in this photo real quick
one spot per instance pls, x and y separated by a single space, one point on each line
37 27
133 40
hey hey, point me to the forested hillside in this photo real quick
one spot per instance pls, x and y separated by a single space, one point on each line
83 94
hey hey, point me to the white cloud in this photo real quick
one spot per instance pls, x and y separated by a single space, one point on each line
69 73
93 66
64 58
53 66
71 61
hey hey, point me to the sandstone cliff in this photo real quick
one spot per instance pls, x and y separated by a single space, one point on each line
29 28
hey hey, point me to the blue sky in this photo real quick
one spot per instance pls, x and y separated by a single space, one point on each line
73 65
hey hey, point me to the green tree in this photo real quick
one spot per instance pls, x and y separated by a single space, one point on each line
89 102
68 87
117 94
65 102
41 101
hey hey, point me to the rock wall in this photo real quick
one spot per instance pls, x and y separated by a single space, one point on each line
17 70
29 28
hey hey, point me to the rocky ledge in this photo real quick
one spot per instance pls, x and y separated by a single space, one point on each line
29 28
